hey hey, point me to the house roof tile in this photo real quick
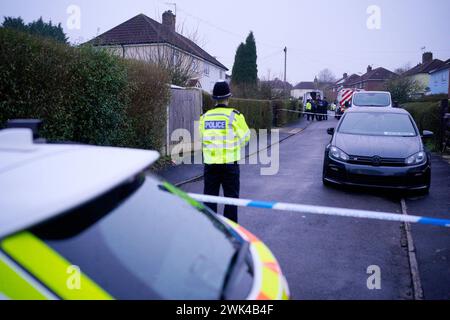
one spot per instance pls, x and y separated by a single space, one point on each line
305 85
424 67
144 30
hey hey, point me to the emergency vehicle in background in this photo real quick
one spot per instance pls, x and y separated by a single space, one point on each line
344 99
311 95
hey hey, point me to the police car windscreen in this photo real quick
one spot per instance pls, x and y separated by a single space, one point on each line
148 244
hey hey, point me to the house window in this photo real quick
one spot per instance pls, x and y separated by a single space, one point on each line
206 68
176 57
195 65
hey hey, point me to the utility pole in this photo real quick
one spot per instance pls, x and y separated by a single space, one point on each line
285 65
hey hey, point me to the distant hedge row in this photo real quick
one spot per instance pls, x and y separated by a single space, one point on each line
427 117
283 117
258 113
82 94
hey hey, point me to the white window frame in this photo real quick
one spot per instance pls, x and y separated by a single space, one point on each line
206 69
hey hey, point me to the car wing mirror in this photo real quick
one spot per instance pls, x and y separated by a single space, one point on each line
330 131
427 134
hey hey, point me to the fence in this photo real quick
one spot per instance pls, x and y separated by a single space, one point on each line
185 107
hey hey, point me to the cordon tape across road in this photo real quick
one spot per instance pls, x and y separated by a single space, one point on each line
305 112
303 208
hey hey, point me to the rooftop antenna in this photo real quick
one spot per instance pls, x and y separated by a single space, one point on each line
423 49
174 5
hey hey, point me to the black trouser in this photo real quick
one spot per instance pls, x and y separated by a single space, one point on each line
309 115
227 176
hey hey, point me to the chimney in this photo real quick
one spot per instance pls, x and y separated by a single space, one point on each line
168 20
427 57
369 68
345 76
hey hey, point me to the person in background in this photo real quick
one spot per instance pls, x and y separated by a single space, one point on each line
308 109
325 108
319 109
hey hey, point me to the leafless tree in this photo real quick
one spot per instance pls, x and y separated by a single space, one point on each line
326 76
401 70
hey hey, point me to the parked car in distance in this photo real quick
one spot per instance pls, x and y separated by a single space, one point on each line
371 99
377 147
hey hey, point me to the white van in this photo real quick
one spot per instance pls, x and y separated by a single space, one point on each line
311 95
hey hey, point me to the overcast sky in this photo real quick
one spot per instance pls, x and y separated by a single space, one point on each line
343 36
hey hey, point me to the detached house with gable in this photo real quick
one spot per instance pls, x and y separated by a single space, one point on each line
143 38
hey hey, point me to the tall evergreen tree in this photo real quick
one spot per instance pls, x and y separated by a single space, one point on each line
245 69
237 73
38 27
14 23
250 60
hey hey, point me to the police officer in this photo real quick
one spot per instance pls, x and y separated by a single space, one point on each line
319 109
308 109
313 109
224 132
325 108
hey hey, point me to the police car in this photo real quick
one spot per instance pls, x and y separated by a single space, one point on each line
87 222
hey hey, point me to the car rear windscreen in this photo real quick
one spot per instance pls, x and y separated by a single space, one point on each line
372 99
378 123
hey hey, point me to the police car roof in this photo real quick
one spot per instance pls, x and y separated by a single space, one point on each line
40 181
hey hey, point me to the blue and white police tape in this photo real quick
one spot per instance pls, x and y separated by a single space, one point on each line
303 208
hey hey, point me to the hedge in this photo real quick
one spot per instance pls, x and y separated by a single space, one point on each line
257 113
82 94
149 95
283 117
427 117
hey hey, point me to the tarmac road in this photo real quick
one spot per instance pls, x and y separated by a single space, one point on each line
327 257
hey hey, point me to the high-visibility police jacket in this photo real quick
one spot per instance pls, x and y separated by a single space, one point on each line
308 106
224 132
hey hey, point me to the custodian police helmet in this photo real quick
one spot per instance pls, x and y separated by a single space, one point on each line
221 90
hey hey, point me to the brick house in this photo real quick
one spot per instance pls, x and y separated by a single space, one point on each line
332 90
372 80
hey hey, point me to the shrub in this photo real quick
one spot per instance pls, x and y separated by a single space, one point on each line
77 92
431 98
257 113
401 88
427 117
82 94
148 94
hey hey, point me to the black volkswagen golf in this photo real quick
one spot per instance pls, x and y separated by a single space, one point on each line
378 147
